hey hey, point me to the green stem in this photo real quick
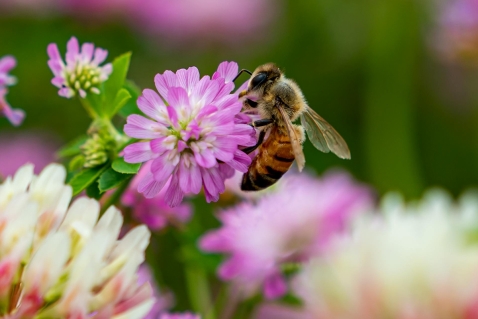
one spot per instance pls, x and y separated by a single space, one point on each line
199 293
88 108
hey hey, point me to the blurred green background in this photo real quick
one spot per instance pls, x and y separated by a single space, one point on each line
373 69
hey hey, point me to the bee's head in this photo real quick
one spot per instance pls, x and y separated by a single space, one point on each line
263 76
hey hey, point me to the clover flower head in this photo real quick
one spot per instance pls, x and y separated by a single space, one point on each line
58 260
285 227
416 260
82 72
192 136
15 116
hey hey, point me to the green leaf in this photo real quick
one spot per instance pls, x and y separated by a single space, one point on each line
121 166
76 163
72 148
93 191
84 178
117 78
121 98
131 107
111 179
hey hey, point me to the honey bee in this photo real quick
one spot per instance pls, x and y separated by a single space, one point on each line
279 102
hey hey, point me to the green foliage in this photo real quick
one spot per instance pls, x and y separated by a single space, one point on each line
112 97
130 106
72 148
120 166
111 179
85 178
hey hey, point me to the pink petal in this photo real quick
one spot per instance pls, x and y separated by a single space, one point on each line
107 69
87 50
225 90
162 144
226 101
224 149
226 70
205 158
206 111
213 183
153 106
178 98
173 115
15 116
204 91
174 195
58 81
164 82
230 268
190 179
72 50
150 187
138 126
275 286
66 92
7 63
138 152
240 162
215 241
187 79
162 168
100 56
55 67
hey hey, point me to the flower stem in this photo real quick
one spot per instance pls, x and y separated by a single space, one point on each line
199 293
88 108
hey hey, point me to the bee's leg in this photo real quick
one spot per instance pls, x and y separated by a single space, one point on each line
262 122
240 72
251 149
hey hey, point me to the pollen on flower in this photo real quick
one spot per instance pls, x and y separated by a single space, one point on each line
82 72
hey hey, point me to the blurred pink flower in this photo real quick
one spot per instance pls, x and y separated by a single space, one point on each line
82 72
192 140
458 32
288 226
184 315
15 116
229 21
154 212
163 301
18 149
225 21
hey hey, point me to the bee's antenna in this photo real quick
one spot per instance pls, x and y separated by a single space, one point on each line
240 72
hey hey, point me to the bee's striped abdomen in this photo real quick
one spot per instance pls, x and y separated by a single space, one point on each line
273 160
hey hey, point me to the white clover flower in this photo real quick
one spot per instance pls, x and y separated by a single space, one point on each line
58 260
416 262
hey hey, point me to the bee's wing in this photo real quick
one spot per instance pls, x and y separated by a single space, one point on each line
294 140
322 135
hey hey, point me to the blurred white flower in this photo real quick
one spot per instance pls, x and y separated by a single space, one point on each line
58 260
418 261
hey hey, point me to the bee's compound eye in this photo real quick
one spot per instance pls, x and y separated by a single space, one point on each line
258 79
